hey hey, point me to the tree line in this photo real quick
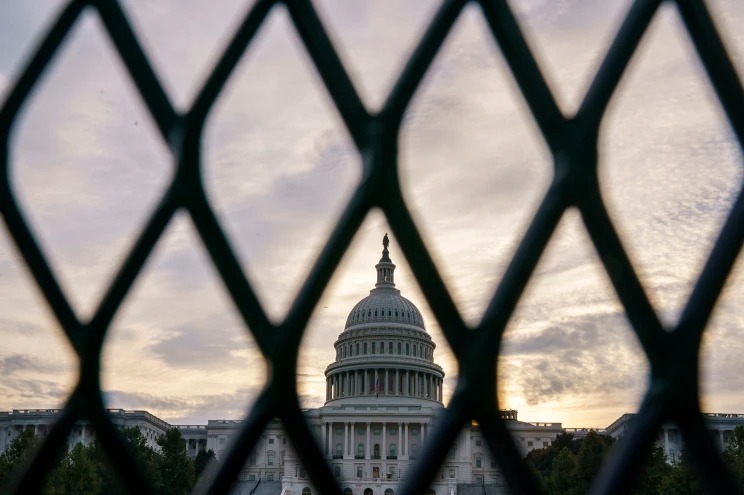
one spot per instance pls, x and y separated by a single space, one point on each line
569 465
86 470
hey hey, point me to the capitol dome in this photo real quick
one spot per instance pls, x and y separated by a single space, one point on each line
384 349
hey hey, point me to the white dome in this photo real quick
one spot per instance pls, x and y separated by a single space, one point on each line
385 305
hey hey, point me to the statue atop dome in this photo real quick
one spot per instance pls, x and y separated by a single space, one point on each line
385 241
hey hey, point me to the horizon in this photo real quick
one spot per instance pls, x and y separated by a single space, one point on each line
88 166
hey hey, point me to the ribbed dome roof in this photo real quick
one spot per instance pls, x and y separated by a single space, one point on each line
384 304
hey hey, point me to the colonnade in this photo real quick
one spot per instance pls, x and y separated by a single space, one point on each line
405 443
385 381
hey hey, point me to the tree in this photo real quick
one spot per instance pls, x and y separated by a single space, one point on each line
591 455
733 454
176 469
563 475
656 470
76 473
203 459
17 453
143 454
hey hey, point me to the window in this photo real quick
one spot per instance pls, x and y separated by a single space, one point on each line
382 347
414 432
271 441
359 471
337 471
408 349
339 450
375 431
306 491
399 351
414 351
393 451
375 472
393 431
478 462
365 348
360 451
390 347
545 444
347 491
389 491
251 477
452 473
477 443
270 459
357 349
374 346
269 476
530 443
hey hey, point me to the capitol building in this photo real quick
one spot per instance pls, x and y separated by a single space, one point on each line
383 396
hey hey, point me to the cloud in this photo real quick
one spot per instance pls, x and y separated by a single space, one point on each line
185 409
201 348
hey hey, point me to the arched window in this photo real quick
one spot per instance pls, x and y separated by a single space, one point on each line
389 491
390 347
408 349
414 450
399 348
430 491
368 491
360 451
382 347
376 451
339 450
357 349
414 351
374 347
393 451
307 491
347 491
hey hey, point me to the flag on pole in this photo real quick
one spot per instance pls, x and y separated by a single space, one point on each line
377 388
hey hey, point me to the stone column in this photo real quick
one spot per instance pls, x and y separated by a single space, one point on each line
346 440
666 441
387 382
352 434
323 441
367 446
405 436
330 439
377 380
399 453
397 382
383 454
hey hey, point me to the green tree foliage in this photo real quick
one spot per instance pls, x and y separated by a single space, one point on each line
564 473
202 460
656 472
733 454
590 457
176 469
76 473
16 454
143 454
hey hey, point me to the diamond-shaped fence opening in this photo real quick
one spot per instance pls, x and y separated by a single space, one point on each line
672 396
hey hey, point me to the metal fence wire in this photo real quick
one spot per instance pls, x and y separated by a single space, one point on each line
672 394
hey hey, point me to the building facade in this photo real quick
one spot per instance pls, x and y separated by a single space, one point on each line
382 399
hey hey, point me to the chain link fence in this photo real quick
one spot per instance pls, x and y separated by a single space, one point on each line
673 354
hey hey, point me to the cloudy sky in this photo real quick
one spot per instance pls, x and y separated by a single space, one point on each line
88 167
